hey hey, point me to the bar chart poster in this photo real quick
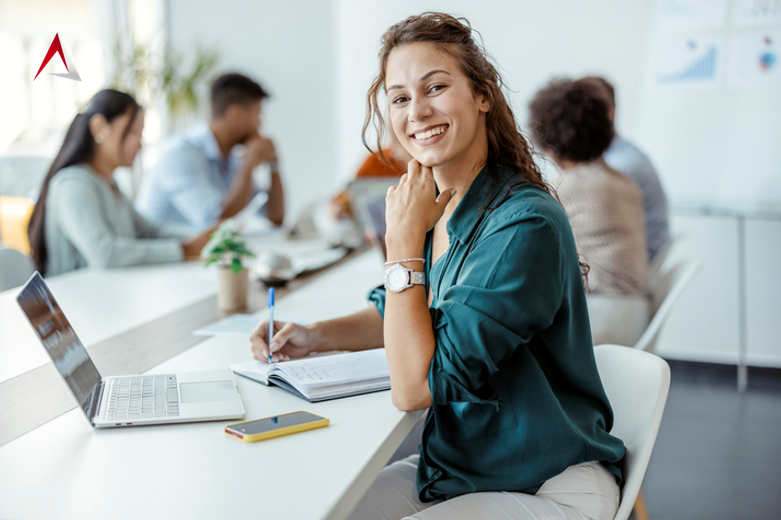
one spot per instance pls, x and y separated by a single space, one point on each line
756 13
688 61
755 60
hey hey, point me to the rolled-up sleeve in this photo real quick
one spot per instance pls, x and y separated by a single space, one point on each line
509 288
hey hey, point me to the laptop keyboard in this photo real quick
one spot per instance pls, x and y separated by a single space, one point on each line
143 397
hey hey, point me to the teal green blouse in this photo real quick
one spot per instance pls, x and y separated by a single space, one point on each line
516 396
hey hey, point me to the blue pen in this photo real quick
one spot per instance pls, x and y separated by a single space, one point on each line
270 302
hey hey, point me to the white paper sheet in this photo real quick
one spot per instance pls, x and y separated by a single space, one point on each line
676 15
755 59
755 13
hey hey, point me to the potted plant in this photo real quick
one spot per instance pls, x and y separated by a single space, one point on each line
227 249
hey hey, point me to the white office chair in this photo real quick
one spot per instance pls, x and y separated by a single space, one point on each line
666 288
655 266
636 384
15 268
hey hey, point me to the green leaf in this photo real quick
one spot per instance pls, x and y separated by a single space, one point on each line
236 266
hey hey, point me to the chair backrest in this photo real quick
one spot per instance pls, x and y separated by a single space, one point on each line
666 288
658 263
15 268
636 384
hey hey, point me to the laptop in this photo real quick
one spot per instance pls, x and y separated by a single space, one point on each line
368 196
111 402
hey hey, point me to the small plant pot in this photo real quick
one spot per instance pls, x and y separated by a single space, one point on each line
232 289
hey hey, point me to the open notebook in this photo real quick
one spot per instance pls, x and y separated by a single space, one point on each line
318 378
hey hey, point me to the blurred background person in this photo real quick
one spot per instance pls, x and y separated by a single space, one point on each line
374 166
571 121
338 219
81 217
202 176
625 157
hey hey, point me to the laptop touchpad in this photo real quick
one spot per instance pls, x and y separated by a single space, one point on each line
207 392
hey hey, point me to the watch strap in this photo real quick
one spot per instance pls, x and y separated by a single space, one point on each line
418 278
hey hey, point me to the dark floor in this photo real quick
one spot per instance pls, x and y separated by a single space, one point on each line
718 454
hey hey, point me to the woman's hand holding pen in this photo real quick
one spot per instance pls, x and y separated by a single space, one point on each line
412 208
290 341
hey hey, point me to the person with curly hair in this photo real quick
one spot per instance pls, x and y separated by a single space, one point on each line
571 121
483 315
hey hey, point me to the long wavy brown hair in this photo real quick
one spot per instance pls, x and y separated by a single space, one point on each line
506 145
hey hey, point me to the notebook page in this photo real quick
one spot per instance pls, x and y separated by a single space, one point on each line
336 370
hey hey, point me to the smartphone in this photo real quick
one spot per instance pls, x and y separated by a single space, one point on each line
270 427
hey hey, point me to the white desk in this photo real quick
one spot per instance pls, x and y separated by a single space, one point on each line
65 469
99 305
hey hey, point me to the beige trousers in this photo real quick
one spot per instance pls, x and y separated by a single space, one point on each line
584 492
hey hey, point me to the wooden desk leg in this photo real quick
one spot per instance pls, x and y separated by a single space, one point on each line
640 511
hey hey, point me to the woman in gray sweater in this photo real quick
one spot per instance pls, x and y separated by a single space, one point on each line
81 218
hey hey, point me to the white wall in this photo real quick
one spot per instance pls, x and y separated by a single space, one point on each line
289 48
718 146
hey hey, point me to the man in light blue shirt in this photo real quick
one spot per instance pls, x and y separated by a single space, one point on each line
202 175
629 160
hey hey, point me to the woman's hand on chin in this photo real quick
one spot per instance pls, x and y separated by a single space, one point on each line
412 207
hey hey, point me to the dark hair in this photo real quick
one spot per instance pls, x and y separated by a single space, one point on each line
506 145
77 148
606 85
572 119
234 89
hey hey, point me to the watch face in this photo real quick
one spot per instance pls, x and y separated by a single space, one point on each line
397 279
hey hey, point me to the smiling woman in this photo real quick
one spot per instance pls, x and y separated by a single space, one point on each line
448 38
483 314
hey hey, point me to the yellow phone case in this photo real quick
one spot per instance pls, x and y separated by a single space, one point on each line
277 433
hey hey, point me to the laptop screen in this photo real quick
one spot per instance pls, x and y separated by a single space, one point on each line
60 340
368 195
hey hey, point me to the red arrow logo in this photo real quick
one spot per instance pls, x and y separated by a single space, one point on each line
56 48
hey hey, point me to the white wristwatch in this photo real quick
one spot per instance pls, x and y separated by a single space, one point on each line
398 278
